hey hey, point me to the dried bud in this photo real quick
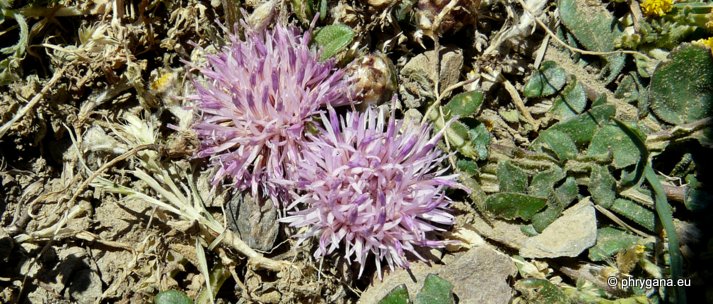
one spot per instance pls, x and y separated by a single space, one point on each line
374 79
381 3
346 14
457 15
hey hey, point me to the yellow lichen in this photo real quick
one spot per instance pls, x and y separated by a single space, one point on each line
656 8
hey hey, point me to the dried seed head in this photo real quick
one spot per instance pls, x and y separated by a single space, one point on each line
434 17
374 79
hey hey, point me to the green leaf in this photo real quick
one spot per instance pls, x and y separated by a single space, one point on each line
595 28
472 143
610 241
572 101
322 10
543 182
458 137
546 81
602 186
558 142
529 230
10 65
467 166
480 140
615 64
567 192
456 134
332 39
563 196
635 212
681 89
628 89
601 100
477 195
665 215
435 291
172 297
464 104
638 138
304 10
398 295
541 291
613 138
510 205
697 198
543 219
511 177
581 128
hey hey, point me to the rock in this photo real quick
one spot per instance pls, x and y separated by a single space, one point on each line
498 230
85 286
6 245
418 75
478 275
68 274
569 235
255 221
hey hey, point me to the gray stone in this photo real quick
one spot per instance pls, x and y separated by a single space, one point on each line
478 275
569 235
254 220
85 286
498 230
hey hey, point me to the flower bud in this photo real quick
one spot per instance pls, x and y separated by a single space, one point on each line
374 79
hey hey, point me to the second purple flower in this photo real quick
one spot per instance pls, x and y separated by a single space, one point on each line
372 187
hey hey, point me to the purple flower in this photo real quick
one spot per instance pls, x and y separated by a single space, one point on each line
375 189
259 94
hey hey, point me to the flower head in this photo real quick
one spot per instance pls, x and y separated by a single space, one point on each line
706 42
375 189
258 96
656 8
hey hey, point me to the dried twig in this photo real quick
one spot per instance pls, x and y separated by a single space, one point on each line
50 84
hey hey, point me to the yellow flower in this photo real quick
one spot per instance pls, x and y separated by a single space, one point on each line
705 42
656 7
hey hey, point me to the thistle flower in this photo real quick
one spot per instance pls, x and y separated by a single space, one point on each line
259 94
656 8
375 189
